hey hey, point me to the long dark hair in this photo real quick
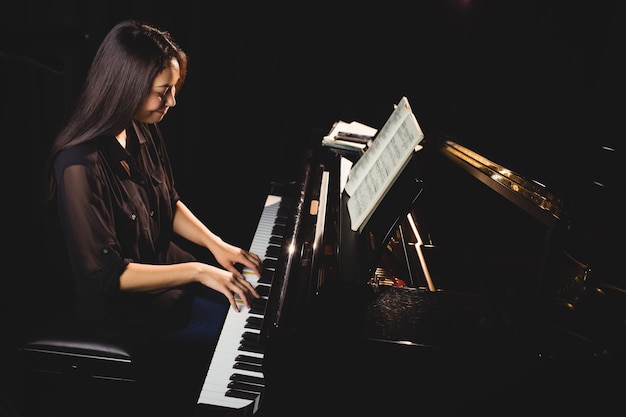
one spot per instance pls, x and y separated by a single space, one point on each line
119 80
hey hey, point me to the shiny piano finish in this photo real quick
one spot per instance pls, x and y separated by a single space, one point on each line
466 292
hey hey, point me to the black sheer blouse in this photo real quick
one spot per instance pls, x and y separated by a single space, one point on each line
116 205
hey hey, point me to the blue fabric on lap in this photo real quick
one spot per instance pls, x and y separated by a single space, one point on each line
207 317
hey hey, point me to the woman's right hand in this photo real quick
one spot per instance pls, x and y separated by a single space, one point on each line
233 285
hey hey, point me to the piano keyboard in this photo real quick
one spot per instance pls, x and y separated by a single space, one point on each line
235 378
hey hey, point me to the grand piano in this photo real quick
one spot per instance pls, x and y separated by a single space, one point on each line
468 290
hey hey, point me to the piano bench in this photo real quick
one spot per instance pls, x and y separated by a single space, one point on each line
62 368
70 356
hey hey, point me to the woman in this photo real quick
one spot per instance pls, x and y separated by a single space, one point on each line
119 209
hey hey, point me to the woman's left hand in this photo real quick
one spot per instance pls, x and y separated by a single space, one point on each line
229 256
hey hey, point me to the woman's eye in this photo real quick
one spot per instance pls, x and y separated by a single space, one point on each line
163 94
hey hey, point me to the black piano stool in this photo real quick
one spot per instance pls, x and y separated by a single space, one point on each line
70 373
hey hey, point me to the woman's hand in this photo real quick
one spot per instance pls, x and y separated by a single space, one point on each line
229 256
229 281
232 284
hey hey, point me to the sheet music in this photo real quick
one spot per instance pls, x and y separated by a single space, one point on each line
375 172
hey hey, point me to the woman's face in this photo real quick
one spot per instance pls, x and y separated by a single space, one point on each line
162 96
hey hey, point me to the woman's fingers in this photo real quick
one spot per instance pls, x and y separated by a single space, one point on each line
252 261
243 289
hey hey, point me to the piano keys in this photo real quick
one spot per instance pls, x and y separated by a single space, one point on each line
235 379
235 376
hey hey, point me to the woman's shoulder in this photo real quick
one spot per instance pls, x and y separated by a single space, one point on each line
81 154
88 153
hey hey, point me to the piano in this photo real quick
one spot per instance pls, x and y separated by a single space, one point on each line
467 291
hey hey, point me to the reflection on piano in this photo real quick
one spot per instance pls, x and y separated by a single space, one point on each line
466 291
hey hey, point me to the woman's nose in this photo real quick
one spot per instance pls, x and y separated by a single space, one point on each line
170 99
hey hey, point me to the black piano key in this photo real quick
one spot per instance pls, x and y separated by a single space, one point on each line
257 306
267 275
250 379
286 209
249 359
253 322
273 252
242 386
276 240
279 230
248 367
257 309
269 263
248 346
258 303
250 336
246 395
263 290
249 342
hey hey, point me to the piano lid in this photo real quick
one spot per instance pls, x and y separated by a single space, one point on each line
533 196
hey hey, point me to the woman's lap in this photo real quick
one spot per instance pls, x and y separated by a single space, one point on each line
208 312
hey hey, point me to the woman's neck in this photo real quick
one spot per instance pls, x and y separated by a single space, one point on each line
121 138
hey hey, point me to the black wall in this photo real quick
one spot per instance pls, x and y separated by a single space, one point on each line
519 81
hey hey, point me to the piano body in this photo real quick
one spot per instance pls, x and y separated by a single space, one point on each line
466 291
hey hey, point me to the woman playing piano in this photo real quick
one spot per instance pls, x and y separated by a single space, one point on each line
113 189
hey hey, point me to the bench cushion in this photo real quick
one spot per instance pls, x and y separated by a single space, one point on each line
59 348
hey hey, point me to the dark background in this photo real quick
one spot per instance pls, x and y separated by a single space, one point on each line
535 85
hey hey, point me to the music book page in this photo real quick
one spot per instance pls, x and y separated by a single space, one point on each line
377 169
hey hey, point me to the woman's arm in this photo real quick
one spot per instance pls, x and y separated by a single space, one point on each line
187 225
146 277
